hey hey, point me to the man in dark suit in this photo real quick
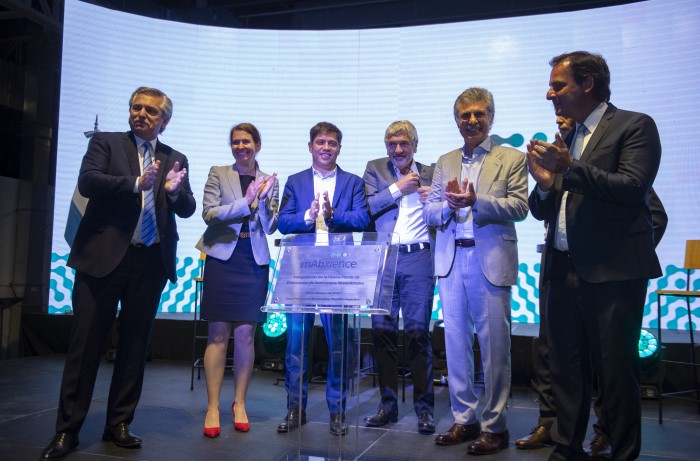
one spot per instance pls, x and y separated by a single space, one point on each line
397 188
323 199
540 436
124 252
593 191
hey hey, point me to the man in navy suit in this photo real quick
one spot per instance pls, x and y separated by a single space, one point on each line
599 252
124 252
397 188
323 199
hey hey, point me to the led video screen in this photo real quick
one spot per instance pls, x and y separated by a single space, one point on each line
362 80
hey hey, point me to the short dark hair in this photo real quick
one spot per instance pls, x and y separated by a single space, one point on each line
248 128
327 128
583 65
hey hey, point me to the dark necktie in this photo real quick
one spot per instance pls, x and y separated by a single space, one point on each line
148 220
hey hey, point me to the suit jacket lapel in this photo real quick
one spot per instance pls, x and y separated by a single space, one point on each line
454 166
162 171
599 132
132 155
307 190
424 176
489 169
233 182
340 181
390 177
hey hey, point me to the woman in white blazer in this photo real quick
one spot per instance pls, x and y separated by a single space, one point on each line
240 207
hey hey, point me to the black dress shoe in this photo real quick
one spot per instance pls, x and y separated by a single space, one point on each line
382 417
538 438
292 420
488 443
61 444
338 424
458 433
121 436
599 448
426 425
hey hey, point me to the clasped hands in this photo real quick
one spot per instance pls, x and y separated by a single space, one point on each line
544 160
321 204
260 188
460 196
173 179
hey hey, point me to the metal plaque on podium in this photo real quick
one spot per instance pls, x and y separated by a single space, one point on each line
333 273
343 277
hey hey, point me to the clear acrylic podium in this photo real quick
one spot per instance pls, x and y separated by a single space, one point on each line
342 277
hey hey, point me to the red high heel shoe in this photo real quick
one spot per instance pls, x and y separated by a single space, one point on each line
212 432
241 427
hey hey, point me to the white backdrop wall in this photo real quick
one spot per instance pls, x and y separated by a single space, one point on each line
362 80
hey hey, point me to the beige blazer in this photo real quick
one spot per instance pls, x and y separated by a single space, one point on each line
501 201
225 210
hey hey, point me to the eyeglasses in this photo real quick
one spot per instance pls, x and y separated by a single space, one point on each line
468 115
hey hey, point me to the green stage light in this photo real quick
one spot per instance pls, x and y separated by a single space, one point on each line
648 345
276 325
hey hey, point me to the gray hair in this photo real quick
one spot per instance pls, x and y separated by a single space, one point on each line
401 127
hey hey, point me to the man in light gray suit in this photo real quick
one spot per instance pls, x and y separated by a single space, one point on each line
397 187
478 192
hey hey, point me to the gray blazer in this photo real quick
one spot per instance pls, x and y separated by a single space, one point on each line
501 201
225 210
383 209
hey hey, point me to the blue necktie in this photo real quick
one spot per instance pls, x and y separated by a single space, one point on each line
148 219
578 141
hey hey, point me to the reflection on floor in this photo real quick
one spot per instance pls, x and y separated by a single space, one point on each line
170 419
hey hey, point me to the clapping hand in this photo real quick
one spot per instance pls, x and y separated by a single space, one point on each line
460 196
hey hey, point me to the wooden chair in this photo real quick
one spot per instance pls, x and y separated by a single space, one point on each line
692 262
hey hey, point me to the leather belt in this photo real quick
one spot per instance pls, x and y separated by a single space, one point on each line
565 254
413 247
464 243
243 235
141 245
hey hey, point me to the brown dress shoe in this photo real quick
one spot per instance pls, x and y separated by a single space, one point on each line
538 438
488 443
599 448
458 433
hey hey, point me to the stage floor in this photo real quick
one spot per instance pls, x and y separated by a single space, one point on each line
170 420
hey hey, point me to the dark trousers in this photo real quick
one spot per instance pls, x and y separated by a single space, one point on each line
137 283
412 295
541 382
594 326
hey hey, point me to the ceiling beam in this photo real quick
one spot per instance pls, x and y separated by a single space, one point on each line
48 15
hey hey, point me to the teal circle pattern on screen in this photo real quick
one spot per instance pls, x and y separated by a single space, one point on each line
180 297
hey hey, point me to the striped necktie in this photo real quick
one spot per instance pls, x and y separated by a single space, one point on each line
148 219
